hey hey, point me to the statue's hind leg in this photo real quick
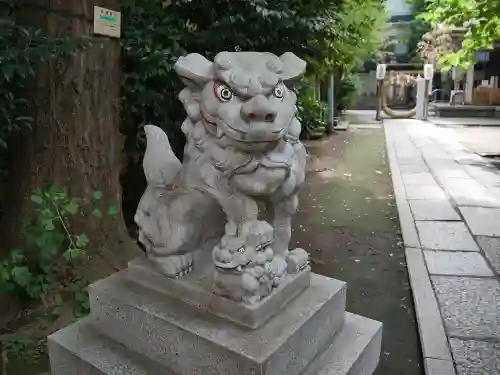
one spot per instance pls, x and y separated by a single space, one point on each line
172 225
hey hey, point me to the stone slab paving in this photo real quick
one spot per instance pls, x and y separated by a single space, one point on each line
491 249
429 209
445 235
456 263
482 221
449 209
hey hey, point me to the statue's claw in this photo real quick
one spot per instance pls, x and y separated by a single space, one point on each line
175 266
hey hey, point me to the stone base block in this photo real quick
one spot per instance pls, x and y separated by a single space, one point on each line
190 341
196 289
80 350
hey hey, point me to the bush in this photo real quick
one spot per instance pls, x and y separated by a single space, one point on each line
311 112
348 87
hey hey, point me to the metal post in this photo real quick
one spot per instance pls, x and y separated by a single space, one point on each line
377 113
331 103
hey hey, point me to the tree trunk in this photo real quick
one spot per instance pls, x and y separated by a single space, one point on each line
75 140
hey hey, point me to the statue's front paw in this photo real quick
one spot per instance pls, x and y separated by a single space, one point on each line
174 266
296 261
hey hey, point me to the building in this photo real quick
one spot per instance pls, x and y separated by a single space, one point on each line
400 16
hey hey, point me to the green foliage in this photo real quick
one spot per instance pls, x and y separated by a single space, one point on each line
327 33
348 87
479 18
45 269
22 347
354 34
418 27
311 111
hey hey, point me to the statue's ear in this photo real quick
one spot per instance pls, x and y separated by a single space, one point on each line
293 67
194 68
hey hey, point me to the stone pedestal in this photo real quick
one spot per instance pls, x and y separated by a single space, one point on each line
143 323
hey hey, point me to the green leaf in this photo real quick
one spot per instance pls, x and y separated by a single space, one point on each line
48 224
82 241
71 208
17 256
58 300
21 275
96 212
112 211
97 195
72 254
56 311
36 198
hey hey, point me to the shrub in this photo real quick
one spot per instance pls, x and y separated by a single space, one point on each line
348 87
311 112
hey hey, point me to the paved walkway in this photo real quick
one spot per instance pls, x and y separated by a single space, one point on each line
449 207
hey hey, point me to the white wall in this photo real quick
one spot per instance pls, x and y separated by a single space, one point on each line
398 7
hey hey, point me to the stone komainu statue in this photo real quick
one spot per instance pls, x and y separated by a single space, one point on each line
243 156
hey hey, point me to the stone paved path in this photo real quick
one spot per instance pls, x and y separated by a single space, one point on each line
448 201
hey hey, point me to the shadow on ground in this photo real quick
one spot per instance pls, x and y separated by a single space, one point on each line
347 219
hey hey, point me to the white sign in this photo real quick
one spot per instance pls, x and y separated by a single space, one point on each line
107 22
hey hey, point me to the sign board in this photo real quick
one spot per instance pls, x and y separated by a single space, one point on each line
107 22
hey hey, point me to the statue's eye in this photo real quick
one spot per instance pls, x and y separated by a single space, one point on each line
223 92
279 92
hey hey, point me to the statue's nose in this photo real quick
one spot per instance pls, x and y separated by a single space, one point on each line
258 109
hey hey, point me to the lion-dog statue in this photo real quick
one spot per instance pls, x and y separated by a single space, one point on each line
243 157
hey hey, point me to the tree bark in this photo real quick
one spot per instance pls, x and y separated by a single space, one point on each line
75 140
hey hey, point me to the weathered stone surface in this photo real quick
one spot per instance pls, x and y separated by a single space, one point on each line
476 357
470 306
442 235
418 179
491 248
435 366
468 192
482 221
196 289
484 174
408 229
407 224
424 192
455 173
80 350
354 350
191 342
457 263
430 325
433 210
411 160
413 168
438 166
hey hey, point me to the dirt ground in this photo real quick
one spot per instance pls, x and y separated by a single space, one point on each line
347 219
